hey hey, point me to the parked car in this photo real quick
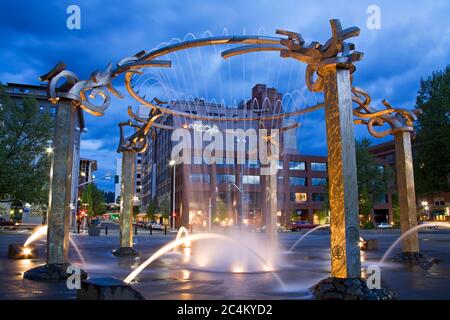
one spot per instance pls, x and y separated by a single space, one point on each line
299 225
157 226
384 225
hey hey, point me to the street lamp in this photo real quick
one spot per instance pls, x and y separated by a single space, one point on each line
173 163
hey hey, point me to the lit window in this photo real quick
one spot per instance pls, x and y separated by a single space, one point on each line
226 178
297 165
299 196
297 181
318 166
199 178
319 181
246 179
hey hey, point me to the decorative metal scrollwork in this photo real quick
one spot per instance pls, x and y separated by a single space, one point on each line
138 141
316 55
398 119
83 92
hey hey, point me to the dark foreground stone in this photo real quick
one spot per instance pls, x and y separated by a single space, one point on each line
18 251
349 289
125 251
107 289
50 272
415 258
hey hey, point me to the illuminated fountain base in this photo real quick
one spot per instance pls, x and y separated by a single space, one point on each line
349 289
107 289
51 272
19 251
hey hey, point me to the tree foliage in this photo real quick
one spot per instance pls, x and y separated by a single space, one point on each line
92 198
432 142
373 180
24 165
164 205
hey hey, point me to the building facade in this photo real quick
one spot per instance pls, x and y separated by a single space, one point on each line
434 207
228 186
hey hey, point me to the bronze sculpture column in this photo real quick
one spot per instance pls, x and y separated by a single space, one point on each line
343 187
405 187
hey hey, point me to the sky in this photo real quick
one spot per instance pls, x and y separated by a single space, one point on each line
413 40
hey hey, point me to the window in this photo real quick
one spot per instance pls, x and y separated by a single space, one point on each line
297 181
226 178
253 164
246 179
318 197
299 196
199 178
297 165
319 181
280 164
279 179
318 166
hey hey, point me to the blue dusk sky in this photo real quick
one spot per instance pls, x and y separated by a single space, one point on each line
413 40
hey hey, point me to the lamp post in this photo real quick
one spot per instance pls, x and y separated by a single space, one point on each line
173 163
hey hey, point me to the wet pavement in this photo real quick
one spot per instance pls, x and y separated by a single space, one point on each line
171 278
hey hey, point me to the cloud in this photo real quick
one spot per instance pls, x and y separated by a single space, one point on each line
414 40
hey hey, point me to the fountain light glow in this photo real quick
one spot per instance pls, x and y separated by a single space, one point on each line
410 231
37 233
306 234
178 242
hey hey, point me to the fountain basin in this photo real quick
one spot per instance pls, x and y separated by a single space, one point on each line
107 289
51 272
19 251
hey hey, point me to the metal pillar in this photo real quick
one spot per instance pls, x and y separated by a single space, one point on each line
406 191
343 188
61 184
126 199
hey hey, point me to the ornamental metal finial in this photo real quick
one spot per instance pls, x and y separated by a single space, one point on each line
315 55
397 118
138 141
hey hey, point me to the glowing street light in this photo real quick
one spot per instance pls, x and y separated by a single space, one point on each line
49 150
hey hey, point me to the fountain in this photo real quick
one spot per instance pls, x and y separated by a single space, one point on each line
27 251
306 234
412 258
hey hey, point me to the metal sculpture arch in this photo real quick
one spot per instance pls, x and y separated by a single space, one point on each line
329 70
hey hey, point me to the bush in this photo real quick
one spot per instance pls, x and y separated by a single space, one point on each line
368 225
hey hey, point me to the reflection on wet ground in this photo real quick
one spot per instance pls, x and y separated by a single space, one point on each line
172 277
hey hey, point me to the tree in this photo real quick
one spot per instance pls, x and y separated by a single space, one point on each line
109 196
164 205
432 141
373 179
94 200
24 165
152 209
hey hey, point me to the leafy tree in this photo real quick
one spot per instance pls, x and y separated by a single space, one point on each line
94 198
164 205
221 210
432 143
152 209
373 181
24 165
395 210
